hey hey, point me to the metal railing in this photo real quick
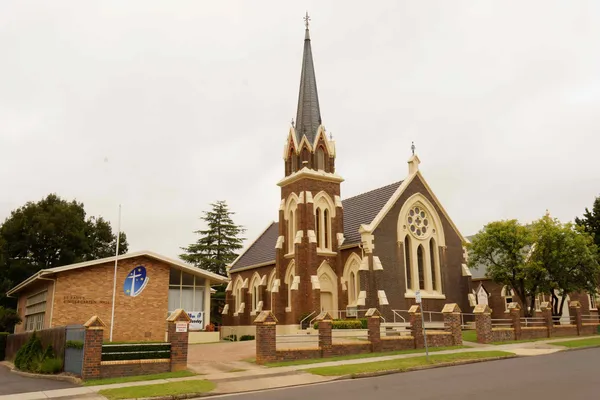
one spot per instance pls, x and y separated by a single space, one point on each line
397 315
533 322
501 323
428 316
590 319
305 318
467 321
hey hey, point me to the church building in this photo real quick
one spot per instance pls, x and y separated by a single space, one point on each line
377 249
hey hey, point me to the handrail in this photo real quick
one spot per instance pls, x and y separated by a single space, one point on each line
304 319
398 315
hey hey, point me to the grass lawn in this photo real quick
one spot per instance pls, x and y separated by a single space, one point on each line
579 343
162 389
165 375
469 336
357 356
404 364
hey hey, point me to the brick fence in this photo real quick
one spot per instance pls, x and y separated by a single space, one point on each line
266 338
94 367
543 327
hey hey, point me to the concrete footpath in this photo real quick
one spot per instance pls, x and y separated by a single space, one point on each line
269 378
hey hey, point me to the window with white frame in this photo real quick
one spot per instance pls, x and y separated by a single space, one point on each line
237 294
508 294
289 280
186 291
255 292
35 310
290 214
420 231
324 212
351 275
320 159
593 303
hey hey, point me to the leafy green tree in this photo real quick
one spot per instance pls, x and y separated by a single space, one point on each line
568 256
590 221
50 233
219 243
503 247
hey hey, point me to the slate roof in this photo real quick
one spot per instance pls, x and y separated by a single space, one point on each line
360 209
481 270
308 115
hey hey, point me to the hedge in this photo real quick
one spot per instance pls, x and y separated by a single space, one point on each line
246 337
3 337
344 324
136 351
74 344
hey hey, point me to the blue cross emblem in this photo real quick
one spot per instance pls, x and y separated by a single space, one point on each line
135 282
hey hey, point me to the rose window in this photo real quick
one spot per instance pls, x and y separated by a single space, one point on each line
418 222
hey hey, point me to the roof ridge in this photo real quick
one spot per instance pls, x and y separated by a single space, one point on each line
372 190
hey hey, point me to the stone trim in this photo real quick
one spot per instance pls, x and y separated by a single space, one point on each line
124 362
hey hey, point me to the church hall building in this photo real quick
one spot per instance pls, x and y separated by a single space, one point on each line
325 253
147 289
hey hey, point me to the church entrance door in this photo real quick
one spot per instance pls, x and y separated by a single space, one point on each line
328 284
327 302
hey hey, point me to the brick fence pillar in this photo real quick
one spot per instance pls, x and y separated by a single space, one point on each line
515 315
575 311
452 322
483 323
92 348
546 311
178 333
266 337
325 334
416 323
374 326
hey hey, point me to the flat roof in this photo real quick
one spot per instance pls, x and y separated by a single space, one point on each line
211 276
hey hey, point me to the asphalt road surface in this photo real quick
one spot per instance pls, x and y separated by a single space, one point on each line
11 383
570 375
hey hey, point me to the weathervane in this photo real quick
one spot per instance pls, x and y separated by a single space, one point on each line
413 148
306 20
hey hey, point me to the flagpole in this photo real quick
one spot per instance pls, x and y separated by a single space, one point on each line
112 316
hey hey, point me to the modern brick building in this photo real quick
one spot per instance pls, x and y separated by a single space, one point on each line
376 249
148 288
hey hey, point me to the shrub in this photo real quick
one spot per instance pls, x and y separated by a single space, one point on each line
3 337
29 353
74 344
344 324
365 323
246 337
32 357
51 365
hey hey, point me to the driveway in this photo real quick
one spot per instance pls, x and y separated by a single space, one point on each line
211 358
11 383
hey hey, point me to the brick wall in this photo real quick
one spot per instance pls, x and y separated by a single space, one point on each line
565 330
533 332
116 369
503 334
439 339
350 348
88 291
297 354
396 344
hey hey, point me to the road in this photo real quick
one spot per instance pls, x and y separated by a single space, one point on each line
558 376
11 383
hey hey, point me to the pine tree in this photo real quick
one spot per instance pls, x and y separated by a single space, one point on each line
591 221
218 244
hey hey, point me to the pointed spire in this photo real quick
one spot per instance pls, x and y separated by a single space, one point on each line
308 116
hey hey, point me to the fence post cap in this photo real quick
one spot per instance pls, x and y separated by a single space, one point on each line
482 309
514 306
451 308
414 309
575 304
372 312
265 317
324 316
179 315
95 322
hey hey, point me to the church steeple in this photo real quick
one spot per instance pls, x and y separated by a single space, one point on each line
308 116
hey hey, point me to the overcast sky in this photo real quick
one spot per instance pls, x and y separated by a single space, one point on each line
168 106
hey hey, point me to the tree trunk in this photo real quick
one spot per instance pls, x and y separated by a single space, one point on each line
531 306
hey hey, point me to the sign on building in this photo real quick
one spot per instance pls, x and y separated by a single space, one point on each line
197 320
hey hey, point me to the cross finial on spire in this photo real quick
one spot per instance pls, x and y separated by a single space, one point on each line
306 20
330 136
413 148
292 121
